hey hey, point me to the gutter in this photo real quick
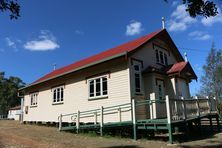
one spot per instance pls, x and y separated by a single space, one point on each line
74 70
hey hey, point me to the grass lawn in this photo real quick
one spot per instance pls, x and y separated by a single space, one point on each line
16 135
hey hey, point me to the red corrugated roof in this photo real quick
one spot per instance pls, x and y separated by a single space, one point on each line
127 47
177 67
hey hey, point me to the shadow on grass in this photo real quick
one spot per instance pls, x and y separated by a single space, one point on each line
182 139
204 137
205 133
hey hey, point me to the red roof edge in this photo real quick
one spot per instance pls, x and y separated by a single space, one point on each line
177 67
180 66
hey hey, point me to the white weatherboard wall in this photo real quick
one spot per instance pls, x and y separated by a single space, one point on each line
148 56
183 88
76 95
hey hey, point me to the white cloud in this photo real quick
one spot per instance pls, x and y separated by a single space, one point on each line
10 43
199 35
79 32
177 26
212 20
46 41
180 19
134 28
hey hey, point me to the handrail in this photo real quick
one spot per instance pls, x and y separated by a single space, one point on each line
176 109
116 109
68 114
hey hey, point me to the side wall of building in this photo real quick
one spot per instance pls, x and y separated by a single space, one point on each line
76 94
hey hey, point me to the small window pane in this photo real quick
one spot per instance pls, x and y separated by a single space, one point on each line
161 57
58 94
104 85
157 57
137 82
136 67
31 99
54 96
160 92
165 59
91 88
61 94
98 89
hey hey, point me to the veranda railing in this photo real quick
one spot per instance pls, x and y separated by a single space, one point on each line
176 110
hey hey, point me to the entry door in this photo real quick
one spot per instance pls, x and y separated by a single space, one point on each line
160 90
160 107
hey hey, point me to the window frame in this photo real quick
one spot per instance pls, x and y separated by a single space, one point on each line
165 58
94 79
34 99
137 72
58 91
161 55
157 56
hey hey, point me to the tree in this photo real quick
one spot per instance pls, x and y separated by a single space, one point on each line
206 8
10 6
8 92
211 80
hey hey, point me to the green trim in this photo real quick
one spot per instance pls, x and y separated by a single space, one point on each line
134 131
153 127
170 133
147 121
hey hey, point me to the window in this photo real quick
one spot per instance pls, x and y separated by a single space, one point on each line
33 97
161 57
160 92
98 87
160 88
165 59
137 77
58 94
157 57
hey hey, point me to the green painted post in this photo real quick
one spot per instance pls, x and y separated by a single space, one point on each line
218 123
170 133
134 119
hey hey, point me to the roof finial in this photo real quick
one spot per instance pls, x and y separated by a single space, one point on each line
54 66
185 57
163 23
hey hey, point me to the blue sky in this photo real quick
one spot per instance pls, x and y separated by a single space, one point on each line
62 32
